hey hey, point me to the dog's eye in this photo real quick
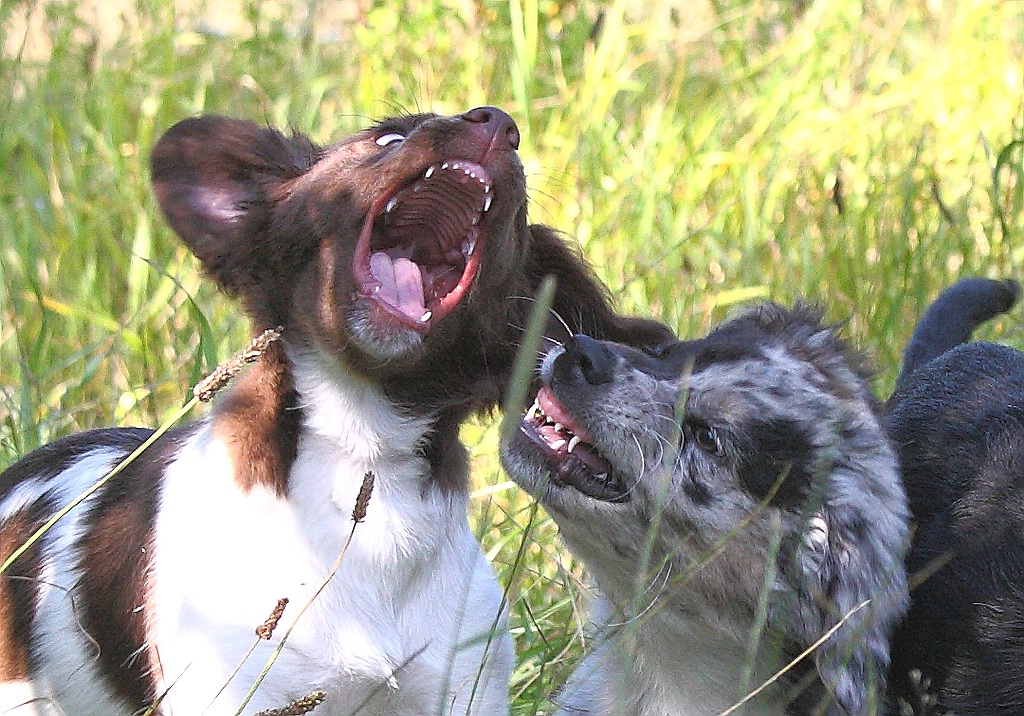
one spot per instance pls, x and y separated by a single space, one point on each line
390 138
706 438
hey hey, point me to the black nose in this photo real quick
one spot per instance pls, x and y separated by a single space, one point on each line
496 123
585 360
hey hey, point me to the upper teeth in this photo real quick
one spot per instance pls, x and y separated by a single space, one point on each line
488 197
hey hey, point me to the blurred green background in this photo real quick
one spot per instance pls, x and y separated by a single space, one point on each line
704 154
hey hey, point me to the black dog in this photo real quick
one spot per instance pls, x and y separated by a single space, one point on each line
957 422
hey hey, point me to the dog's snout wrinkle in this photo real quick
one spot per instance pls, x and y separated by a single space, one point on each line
499 128
585 361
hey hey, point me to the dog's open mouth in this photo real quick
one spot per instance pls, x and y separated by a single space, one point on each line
569 449
420 246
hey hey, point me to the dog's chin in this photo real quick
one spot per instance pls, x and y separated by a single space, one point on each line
379 337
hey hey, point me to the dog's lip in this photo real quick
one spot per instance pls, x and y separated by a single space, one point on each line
471 244
570 450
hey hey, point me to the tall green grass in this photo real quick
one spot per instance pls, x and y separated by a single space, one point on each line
864 154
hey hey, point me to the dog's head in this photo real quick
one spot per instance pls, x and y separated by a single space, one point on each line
370 244
751 459
401 250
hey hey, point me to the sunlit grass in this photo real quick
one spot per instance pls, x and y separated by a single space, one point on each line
866 154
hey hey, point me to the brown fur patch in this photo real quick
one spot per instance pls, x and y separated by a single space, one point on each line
17 594
117 550
18 585
258 422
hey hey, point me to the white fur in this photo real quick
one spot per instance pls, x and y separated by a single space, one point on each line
69 674
402 629
20 698
619 676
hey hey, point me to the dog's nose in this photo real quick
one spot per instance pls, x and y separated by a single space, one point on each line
586 359
497 124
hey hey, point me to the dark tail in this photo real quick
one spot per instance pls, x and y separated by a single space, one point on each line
953 316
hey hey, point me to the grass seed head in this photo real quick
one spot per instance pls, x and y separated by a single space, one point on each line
363 498
297 707
223 373
266 629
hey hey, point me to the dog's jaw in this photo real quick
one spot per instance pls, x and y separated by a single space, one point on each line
556 456
417 253
573 459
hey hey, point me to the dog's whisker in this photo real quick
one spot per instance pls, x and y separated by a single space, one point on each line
549 339
554 314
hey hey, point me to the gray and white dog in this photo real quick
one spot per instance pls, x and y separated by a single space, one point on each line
738 503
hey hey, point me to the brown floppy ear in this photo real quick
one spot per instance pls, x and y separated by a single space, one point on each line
215 180
581 301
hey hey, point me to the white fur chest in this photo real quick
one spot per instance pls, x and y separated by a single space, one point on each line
384 633
667 665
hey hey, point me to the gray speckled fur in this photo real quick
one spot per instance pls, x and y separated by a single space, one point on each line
816 543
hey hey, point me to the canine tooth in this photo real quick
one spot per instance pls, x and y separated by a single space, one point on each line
430 171
558 427
391 204
426 316
487 202
468 246
574 442
444 165
532 412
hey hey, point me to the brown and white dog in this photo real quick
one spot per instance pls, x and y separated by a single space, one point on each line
400 264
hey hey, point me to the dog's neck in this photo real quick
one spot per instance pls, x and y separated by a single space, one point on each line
352 413
258 419
297 400
668 662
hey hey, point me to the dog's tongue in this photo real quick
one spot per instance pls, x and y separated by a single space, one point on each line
401 284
